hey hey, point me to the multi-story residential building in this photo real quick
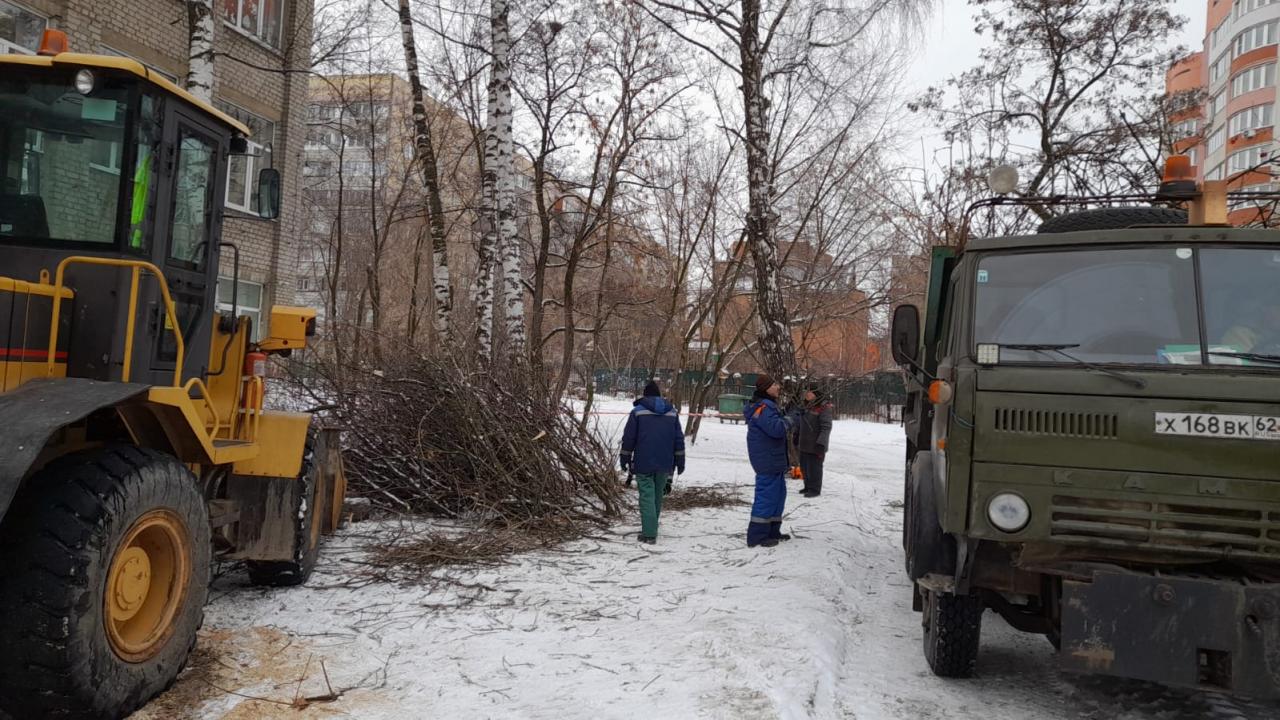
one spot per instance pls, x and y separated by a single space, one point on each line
1224 99
258 42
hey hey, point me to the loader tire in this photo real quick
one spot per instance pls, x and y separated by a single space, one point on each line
103 580
952 632
296 571
1113 219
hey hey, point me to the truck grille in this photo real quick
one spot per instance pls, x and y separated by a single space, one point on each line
1060 423
1203 530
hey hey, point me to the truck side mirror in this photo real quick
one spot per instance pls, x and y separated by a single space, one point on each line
904 338
269 193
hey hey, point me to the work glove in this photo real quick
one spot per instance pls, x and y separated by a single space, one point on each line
625 462
680 467
667 490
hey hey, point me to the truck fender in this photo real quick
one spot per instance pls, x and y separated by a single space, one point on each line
32 413
929 549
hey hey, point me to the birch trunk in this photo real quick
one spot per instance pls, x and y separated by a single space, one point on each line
200 49
489 227
426 156
774 335
508 238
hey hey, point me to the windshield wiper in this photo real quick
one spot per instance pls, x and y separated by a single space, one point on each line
1255 357
1061 349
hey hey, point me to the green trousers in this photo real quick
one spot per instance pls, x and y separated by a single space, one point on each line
651 487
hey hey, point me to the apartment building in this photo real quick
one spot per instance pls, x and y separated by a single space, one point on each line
256 42
1224 99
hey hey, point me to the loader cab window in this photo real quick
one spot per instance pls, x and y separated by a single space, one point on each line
192 198
60 152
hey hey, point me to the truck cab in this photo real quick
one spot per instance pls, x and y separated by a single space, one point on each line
1092 446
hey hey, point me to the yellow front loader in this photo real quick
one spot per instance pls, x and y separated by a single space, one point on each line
134 447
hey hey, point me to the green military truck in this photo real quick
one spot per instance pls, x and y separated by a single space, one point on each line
1093 445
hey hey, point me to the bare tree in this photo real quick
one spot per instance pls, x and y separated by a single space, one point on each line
425 155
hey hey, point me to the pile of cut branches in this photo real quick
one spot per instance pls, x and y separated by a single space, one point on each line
703 496
425 435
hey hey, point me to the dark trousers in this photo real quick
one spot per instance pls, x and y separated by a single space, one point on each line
811 466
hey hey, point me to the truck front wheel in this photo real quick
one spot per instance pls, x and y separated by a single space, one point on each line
104 574
952 632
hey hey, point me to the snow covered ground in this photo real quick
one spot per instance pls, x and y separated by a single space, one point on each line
698 626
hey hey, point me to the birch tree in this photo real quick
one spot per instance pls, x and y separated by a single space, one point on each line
508 241
425 156
200 49
762 43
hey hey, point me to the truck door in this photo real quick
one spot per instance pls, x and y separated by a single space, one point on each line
190 252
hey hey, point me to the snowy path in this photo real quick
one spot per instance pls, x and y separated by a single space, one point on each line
696 626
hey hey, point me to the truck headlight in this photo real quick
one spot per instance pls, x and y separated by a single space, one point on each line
84 82
1008 512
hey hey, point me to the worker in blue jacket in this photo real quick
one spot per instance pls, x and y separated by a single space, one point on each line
767 430
652 446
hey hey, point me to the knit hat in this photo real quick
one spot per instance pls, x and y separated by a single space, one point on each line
763 383
651 390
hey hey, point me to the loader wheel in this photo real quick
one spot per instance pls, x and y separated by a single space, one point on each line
285 573
952 632
103 581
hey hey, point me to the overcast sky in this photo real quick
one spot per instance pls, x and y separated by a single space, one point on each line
950 47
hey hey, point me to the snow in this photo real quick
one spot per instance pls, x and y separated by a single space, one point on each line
697 626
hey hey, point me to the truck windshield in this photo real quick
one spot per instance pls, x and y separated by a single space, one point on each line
1132 306
61 157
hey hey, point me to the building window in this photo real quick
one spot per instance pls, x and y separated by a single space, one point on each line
1218 32
1193 155
1255 78
248 302
260 19
20 29
1215 173
242 170
1247 159
1250 119
1217 104
1244 7
1218 70
306 283
1217 140
1254 37
1186 129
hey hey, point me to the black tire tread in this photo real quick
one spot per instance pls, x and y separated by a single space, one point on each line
52 533
1114 218
952 648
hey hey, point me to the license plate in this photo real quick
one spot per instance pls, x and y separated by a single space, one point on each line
1236 427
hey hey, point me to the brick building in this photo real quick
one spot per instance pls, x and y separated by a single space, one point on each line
256 41
1224 101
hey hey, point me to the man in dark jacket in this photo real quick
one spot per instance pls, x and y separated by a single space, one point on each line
813 435
767 430
652 445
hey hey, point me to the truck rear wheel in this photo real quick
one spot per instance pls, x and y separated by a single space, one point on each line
307 527
105 572
952 632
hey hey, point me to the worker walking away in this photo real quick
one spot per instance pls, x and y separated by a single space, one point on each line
652 446
767 431
813 435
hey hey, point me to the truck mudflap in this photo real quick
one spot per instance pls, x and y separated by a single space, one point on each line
1193 632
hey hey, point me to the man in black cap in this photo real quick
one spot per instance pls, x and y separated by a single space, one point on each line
652 446
813 435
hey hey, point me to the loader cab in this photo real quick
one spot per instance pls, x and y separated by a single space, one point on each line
100 157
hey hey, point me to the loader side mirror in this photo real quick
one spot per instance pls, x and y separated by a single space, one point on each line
269 193
904 338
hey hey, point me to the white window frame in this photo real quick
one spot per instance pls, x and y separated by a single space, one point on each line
12 48
1216 140
114 167
252 160
1254 77
1254 37
1217 104
274 44
1243 160
1251 119
254 312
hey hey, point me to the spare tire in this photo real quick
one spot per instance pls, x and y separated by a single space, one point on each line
1113 219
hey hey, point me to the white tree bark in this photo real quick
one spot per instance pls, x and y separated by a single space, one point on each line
489 225
426 156
508 237
200 49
